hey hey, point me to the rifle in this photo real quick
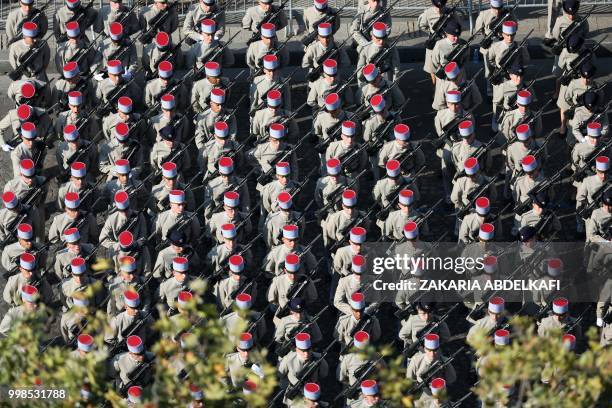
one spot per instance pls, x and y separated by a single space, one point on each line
115 347
367 106
365 31
134 378
500 72
393 196
332 133
569 329
298 189
282 156
305 374
334 197
220 48
456 54
25 59
380 59
435 368
279 86
378 137
222 269
497 26
474 195
482 149
595 117
179 226
451 128
524 205
434 35
269 17
329 17
411 349
354 223
79 17
315 73
557 46
31 17
586 210
227 115
82 53
170 53
112 98
583 56
286 345
155 22
216 207
361 373
531 121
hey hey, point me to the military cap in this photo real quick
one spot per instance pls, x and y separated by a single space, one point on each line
425 306
541 199
590 99
439 3
571 6
587 70
177 237
296 304
167 133
526 233
453 28
607 197
516 69
574 42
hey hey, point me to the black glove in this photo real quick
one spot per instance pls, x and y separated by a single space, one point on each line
486 43
549 42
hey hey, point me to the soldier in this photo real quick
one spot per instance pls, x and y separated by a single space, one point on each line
160 50
599 221
347 285
209 48
470 183
74 10
377 84
329 81
159 16
116 85
85 345
523 114
177 218
32 146
78 50
287 285
359 317
318 14
328 189
176 288
226 289
128 252
603 313
355 359
563 67
118 47
80 281
455 80
267 45
170 120
394 226
525 145
219 255
31 54
126 364
201 89
291 365
570 11
26 275
494 319
239 363
270 191
536 301
170 181
526 183
204 10
412 328
387 189
591 107
274 262
312 391
132 321
130 277
74 148
336 224
226 181
569 100
165 84
116 12
429 22
267 82
40 124
213 126
17 17
275 221
541 216
124 148
495 56
317 52
265 154
256 16
375 49
71 80
73 216
171 147
241 316
471 223
327 124
30 299
363 23
444 47
377 127
76 114
123 180
560 320
230 215
468 147
25 243
73 248
14 213
583 152
31 92
298 320
29 187
274 113
74 321
178 246
122 218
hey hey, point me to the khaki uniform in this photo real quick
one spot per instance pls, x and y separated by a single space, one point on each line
61 88
257 50
114 150
232 322
217 187
10 125
264 153
192 26
389 67
281 286
163 262
42 96
65 14
12 291
420 364
275 259
286 325
142 256
395 96
562 22
340 150
137 199
122 324
36 66
237 369
315 50
12 316
393 226
16 18
107 88
12 252
387 188
124 365
581 152
319 89
347 285
513 118
22 152
200 93
441 52
484 324
587 189
170 289
153 55
273 226
603 306
461 151
347 323
69 287
107 15
70 50
518 150
464 186
255 15
360 23
71 324
349 363
148 13
111 121
258 92
177 120
154 90
32 217
116 288
312 16
118 220
65 256
426 21
549 324
470 98
109 49
595 230
327 186
216 258
532 219
324 123
84 153
343 260
168 219
224 289
161 191
291 366
411 330
22 190
470 227
88 130
269 195
581 117
204 126
265 117
88 228
161 153
213 227
523 186
335 223
573 91
376 123
201 53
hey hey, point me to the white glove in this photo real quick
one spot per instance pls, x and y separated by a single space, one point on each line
599 322
7 148
583 140
128 75
99 76
257 370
